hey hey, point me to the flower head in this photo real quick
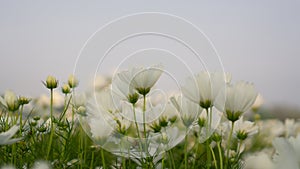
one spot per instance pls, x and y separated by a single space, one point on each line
187 109
11 101
243 129
205 87
239 98
127 85
145 79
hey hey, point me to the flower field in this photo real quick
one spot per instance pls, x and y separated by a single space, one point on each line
124 122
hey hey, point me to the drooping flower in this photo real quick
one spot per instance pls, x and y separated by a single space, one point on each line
239 98
6 137
205 87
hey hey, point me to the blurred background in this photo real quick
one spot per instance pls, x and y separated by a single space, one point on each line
258 41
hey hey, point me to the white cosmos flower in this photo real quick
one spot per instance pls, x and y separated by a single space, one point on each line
239 98
10 101
126 84
121 89
205 87
5 137
187 109
100 122
145 79
288 153
243 129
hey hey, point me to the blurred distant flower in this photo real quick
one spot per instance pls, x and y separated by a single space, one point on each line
51 82
257 161
66 89
101 82
5 137
288 153
258 103
73 81
239 98
41 165
204 87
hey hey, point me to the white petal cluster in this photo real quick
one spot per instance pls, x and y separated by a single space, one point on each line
6 137
205 87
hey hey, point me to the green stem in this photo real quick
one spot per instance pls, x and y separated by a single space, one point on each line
208 155
103 159
21 119
185 149
228 144
172 158
137 129
52 127
92 160
163 161
214 157
144 120
220 154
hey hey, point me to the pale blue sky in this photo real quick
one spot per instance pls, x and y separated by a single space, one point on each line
258 41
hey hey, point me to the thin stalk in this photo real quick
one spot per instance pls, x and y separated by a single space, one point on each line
220 154
172 158
137 129
21 119
214 157
92 160
185 149
52 127
208 155
144 120
103 159
163 161
228 143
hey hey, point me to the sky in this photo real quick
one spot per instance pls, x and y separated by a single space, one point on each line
257 41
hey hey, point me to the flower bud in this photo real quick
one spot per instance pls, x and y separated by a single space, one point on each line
66 89
81 110
24 100
72 81
51 82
